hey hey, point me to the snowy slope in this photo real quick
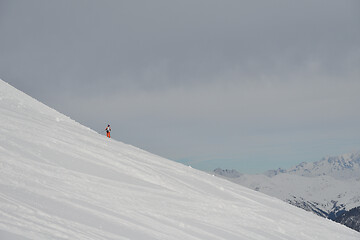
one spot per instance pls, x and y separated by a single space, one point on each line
61 180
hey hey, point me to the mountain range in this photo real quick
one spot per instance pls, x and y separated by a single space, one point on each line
330 187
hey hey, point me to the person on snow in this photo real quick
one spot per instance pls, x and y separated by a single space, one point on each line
108 130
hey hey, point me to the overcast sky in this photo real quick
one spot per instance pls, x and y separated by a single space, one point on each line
249 85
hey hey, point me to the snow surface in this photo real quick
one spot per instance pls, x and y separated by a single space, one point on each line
61 180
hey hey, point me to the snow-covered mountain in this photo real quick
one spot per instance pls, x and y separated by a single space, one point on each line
346 166
328 187
61 180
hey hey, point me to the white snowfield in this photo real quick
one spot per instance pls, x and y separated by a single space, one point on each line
61 180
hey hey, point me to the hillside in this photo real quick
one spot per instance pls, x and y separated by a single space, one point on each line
350 218
61 180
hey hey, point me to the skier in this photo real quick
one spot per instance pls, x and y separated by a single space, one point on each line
108 130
